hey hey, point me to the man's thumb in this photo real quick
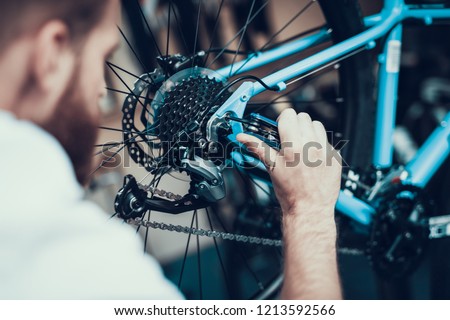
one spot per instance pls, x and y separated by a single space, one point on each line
264 153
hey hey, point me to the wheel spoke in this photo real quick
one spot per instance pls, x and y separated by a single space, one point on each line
237 34
302 10
216 25
242 37
114 129
185 253
128 132
297 15
180 30
124 142
199 261
146 236
122 92
242 255
294 37
229 51
129 89
107 160
115 144
148 28
196 30
147 214
244 180
288 92
132 49
328 65
168 28
108 149
261 188
222 266
126 71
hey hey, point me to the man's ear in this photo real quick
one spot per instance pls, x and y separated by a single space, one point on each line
53 58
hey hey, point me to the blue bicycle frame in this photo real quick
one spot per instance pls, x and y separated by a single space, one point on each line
387 23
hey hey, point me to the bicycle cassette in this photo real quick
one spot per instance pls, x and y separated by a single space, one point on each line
173 117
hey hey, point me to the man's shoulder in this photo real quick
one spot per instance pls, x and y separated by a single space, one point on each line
32 159
77 252
104 258
54 239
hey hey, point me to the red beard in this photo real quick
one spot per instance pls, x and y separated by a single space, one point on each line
76 129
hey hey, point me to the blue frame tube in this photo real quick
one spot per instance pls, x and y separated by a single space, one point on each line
354 208
387 99
328 55
259 59
428 14
394 12
373 20
431 155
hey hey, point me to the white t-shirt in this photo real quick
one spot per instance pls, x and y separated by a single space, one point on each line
53 243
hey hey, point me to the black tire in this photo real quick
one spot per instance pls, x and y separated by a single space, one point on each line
356 84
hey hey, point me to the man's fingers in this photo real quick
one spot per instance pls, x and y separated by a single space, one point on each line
321 134
305 127
288 129
264 153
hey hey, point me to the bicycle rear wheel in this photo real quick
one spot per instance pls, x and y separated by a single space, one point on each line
238 269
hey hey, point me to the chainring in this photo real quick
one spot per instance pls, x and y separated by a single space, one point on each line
400 231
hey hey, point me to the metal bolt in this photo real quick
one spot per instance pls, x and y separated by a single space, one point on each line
244 98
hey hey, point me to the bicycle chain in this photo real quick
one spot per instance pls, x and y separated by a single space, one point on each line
211 233
161 193
207 233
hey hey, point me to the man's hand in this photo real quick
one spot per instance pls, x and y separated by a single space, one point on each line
306 177
306 172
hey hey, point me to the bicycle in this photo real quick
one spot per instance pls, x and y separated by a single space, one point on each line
189 116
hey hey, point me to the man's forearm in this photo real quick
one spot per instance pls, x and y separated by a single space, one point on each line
310 255
307 195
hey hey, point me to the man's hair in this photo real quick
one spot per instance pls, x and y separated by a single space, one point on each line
18 17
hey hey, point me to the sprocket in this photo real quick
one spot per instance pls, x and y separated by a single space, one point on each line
173 117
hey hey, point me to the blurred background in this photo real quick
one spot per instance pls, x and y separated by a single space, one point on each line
424 99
